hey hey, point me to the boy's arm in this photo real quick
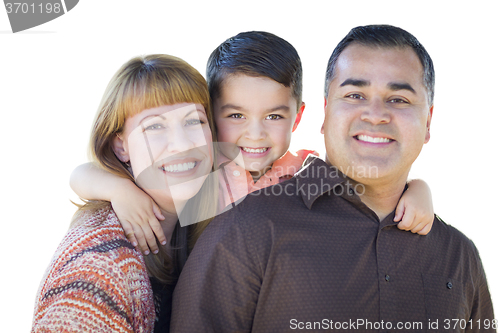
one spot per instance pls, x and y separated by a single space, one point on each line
137 212
415 209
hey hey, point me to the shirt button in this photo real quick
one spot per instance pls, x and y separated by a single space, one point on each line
449 285
236 173
387 278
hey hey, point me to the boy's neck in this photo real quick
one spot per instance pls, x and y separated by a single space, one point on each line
256 175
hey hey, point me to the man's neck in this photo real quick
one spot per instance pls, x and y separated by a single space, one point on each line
382 196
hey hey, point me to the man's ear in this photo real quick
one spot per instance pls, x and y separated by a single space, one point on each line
119 149
429 118
299 116
323 126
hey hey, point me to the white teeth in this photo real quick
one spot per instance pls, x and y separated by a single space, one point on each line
179 167
254 151
367 138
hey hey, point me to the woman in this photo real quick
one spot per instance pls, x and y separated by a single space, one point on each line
153 126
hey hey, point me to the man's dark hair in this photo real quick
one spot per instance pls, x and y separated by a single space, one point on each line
385 36
255 53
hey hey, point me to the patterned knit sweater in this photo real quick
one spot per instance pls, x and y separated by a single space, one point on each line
96 282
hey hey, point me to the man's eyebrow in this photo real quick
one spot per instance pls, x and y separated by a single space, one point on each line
355 82
401 86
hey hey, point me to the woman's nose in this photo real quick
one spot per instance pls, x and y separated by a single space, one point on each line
179 139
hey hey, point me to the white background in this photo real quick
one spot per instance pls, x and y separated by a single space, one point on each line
52 78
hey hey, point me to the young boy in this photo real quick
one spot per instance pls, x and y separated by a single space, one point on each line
255 83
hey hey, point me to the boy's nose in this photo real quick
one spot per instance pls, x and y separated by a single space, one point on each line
255 131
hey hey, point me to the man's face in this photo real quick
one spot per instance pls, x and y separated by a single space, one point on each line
377 115
256 114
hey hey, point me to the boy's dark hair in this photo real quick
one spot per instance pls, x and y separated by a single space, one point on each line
255 53
386 36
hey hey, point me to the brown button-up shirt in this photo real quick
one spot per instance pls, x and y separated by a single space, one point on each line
307 254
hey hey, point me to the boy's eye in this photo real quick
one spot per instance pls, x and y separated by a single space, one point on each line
274 117
236 116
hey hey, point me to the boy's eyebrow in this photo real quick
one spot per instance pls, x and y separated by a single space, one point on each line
231 106
239 108
281 108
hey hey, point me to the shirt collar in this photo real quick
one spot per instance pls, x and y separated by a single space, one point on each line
316 178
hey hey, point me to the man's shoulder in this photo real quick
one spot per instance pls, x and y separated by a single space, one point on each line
444 229
453 241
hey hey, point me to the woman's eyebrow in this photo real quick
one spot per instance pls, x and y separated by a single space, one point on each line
150 116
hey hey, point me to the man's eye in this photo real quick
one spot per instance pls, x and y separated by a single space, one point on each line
355 96
236 116
398 100
273 117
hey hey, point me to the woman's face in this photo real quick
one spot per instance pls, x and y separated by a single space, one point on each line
169 150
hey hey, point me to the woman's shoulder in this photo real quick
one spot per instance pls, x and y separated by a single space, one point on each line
97 276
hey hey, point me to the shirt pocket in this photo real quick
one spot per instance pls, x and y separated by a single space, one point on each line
445 300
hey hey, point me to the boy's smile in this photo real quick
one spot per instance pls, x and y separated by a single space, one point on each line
258 115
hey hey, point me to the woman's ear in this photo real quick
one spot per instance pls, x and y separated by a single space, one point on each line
119 149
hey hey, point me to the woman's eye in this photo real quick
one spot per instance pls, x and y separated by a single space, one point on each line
236 116
153 127
194 121
274 117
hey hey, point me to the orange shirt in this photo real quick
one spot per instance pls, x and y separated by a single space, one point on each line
239 182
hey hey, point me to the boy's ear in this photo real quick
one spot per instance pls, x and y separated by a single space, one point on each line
119 149
299 116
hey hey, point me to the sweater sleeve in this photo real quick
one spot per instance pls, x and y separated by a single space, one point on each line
97 282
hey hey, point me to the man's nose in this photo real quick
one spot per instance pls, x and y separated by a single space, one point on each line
255 131
377 112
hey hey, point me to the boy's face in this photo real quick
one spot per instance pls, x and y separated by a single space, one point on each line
258 115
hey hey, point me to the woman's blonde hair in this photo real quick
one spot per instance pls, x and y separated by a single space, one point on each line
142 83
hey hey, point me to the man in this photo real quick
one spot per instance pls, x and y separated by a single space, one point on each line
321 251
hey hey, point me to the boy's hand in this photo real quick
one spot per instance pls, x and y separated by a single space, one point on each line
415 209
139 215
